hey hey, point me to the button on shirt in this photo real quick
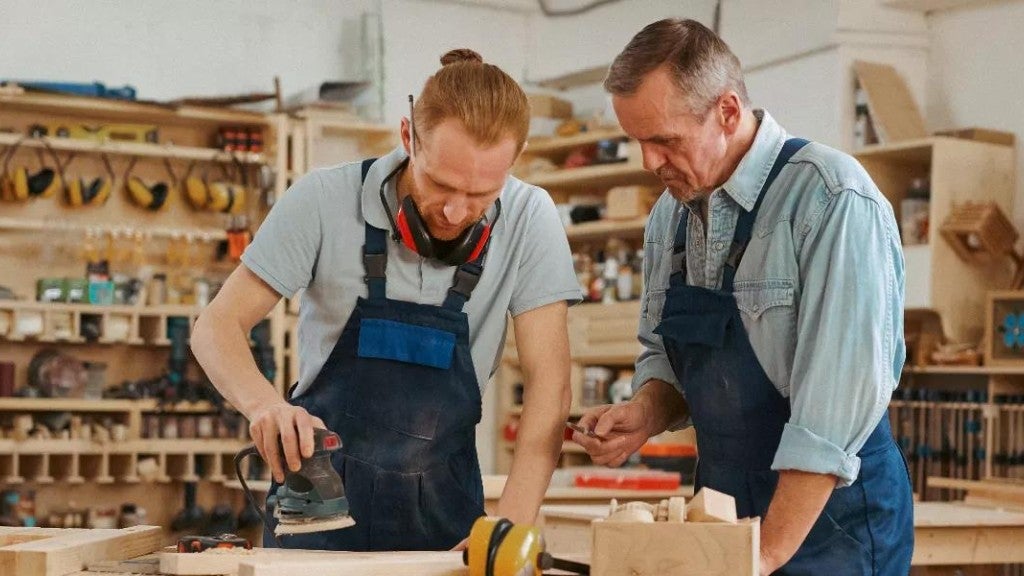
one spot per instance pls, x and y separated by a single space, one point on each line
313 240
820 289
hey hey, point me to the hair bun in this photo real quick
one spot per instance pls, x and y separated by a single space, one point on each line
461 55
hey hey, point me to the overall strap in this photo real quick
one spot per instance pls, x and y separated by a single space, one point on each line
467 276
375 251
745 223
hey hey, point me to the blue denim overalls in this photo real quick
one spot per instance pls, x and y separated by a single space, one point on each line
400 389
739 415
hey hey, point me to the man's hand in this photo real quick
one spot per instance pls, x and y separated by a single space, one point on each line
461 545
293 425
623 427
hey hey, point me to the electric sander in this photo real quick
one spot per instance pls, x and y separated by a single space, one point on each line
311 499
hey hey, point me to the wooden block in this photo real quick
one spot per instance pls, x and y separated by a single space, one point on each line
626 202
547 106
676 549
895 114
711 506
306 563
71 550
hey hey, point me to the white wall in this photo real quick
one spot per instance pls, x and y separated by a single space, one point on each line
976 74
173 48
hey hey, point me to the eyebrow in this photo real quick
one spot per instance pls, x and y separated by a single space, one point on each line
468 192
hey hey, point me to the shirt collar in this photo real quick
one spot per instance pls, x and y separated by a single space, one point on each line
746 181
373 211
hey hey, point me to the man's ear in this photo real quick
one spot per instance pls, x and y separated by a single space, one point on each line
406 134
729 111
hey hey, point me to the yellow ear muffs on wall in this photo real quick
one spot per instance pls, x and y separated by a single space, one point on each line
197 192
42 184
151 198
222 197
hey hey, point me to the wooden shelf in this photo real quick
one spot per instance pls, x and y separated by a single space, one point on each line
934 5
105 405
966 370
633 228
130 111
139 149
152 332
908 152
58 225
601 176
555 144
574 79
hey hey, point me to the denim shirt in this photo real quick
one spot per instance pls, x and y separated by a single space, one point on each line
820 290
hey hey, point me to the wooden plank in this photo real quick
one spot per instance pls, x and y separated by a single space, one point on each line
361 563
895 114
555 145
598 176
68 552
148 564
676 549
968 545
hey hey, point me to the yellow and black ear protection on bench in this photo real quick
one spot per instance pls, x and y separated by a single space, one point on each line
151 197
410 228
81 192
497 547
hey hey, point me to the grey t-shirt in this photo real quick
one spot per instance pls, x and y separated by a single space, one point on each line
313 239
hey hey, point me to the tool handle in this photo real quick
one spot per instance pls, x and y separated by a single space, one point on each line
546 562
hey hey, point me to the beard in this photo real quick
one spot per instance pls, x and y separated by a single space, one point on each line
678 187
440 230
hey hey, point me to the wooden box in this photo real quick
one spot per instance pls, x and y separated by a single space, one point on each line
546 106
676 549
1004 336
626 202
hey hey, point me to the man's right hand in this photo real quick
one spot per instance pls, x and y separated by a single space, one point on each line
624 428
294 426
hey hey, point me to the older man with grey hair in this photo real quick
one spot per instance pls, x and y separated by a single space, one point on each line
772 314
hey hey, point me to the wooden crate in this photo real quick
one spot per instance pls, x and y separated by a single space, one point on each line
676 549
1001 305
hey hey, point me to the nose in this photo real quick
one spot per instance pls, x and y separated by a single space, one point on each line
455 210
652 158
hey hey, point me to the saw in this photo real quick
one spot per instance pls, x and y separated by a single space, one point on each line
311 499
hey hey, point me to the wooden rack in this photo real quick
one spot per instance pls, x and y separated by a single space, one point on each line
138 149
146 325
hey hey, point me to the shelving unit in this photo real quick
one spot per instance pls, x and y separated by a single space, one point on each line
44 238
959 170
599 334
944 438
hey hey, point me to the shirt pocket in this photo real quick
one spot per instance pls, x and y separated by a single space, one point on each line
758 298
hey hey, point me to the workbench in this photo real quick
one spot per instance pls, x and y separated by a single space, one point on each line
945 533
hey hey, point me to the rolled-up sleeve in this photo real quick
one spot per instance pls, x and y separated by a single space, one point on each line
849 349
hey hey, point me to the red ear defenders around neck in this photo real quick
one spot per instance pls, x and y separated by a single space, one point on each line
412 230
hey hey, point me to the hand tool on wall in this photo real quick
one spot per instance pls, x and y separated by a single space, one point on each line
497 547
311 499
